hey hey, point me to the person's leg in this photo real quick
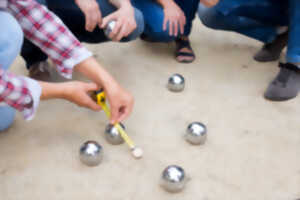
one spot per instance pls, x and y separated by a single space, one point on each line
69 13
256 20
213 18
32 54
11 39
190 10
293 48
286 84
153 18
184 52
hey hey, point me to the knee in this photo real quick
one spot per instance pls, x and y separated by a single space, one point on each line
140 22
209 17
7 116
12 36
140 25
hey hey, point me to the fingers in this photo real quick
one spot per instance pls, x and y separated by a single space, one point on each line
92 18
165 24
114 33
121 28
87 100
175 28
170 28
175 19
91 87
89 103
121 114
114 114
107 19
100 18
182 24
122 33
125 112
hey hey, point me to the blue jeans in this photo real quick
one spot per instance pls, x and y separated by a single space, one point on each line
154 17
11 39
257 19
74 19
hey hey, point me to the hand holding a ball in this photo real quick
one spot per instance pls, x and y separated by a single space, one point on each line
125 21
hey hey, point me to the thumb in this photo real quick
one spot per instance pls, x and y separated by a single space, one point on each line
91 87
107 19
91 104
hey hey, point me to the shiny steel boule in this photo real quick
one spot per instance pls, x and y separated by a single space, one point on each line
173 179
91 153
112 134
110 26
196 133
176 83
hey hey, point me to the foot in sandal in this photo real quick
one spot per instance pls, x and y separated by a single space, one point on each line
184 52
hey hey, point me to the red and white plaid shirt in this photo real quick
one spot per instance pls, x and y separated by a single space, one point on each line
49 33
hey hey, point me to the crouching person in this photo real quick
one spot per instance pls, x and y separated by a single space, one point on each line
23 94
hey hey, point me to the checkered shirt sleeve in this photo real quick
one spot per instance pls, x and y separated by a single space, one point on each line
20 93
49 33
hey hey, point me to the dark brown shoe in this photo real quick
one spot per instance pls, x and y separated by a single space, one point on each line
271 51
40 71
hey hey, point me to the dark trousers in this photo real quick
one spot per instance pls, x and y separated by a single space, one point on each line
154 17
74 19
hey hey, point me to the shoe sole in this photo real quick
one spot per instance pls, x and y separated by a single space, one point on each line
266 60
278 99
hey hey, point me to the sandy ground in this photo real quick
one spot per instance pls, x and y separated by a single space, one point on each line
252 151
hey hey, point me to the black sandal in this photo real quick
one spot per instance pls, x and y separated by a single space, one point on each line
181 44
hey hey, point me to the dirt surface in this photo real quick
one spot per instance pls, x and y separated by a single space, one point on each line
252 151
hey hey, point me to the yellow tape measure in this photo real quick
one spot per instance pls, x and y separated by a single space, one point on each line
99 96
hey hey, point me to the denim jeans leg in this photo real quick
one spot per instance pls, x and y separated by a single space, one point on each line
11 39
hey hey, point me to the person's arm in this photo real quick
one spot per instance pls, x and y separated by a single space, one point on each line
121 101
173 16
124 17
48 32
24 94
20 93
75 91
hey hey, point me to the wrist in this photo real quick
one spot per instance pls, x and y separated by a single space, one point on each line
95 72
166 3
125 4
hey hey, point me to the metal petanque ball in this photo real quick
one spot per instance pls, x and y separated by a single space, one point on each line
176 83
196 133
173 179
112 134
91 153
110 26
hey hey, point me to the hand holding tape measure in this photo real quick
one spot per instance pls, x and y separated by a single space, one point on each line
99 97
